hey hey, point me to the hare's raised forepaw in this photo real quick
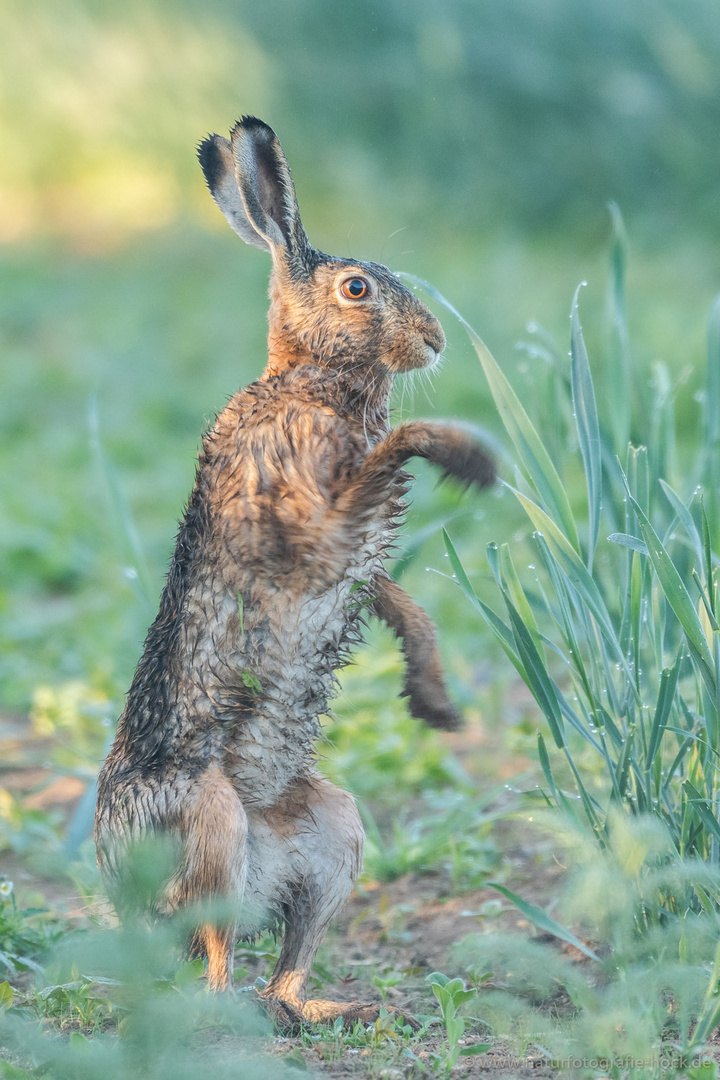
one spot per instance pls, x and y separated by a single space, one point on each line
470 465
431 704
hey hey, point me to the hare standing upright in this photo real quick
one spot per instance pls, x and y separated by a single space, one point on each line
297 499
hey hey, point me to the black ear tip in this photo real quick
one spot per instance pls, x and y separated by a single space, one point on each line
252 124
209 156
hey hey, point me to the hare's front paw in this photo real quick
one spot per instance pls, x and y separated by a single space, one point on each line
470 464
431 704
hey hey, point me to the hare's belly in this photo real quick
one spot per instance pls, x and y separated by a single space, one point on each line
290 661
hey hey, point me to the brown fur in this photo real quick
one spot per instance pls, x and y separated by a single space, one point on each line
297 499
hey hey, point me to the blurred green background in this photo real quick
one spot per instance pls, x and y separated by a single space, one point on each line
472 143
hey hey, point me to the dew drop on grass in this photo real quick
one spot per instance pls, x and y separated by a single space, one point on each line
130 573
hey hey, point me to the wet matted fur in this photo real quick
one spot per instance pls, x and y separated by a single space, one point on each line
297 500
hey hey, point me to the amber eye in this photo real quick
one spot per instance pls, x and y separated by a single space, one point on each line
354 288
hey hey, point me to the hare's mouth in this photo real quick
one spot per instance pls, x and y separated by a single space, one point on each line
432 355
423 355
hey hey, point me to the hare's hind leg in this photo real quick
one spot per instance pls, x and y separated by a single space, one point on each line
214 868
205 818
320 830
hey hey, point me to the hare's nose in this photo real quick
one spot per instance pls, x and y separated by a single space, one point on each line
434 337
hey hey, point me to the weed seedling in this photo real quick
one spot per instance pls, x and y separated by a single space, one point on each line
452 995
385 982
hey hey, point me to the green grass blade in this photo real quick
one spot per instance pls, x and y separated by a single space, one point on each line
702 809
588 428
712 379
124 526
708 561
679 600
545 766
666 695
538 678
678 597
511 583
501 631
543 921
618 372
519 427
574 569
686 519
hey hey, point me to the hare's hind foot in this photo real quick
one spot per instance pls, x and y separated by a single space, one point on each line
323 1012
290 1018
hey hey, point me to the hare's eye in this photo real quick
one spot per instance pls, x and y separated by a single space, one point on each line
354 288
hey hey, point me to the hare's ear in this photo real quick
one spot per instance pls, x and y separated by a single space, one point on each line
267 189
218 165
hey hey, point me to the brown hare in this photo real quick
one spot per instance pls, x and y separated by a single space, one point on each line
297 500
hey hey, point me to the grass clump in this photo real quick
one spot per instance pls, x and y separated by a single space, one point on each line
615 629
616 632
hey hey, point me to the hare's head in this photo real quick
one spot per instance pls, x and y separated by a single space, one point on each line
336 313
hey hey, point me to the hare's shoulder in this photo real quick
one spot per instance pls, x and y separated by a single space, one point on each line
293 415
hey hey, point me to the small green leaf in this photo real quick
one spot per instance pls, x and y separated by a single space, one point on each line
12 1072
475 1049
629 541
251 681
7 995
454 1026
705 1070
189 973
